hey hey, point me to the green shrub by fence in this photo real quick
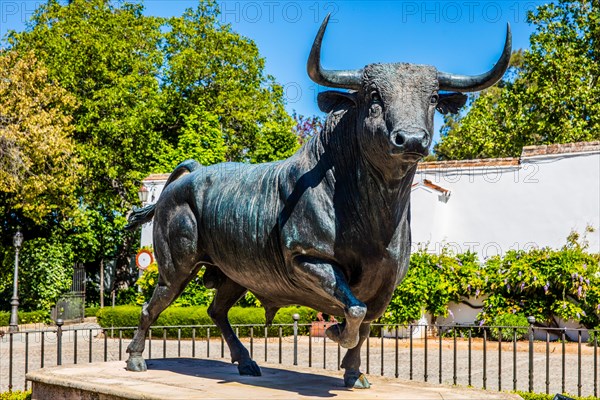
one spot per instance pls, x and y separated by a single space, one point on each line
128 316
25 317
507 325
91 311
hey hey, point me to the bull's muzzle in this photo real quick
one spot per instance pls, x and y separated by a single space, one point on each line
416 143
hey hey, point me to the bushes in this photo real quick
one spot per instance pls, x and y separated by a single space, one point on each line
431 283
507 323
544 283
28 317
195 294
91 311
128 316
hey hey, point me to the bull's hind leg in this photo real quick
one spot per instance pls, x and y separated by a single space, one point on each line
329 281
351 362
228 293
177 260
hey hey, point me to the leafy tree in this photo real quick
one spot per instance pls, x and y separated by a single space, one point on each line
38 167
551 96
209 64
107 57
200 138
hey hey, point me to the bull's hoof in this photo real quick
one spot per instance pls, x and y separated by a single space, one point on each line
356 381
249 367
336 333
136 363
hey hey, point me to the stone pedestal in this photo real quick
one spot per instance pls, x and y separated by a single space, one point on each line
186 378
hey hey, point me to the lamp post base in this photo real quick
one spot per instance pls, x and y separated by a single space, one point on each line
13 325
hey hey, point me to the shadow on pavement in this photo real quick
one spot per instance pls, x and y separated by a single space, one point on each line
301 383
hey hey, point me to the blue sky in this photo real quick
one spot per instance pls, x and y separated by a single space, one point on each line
455 36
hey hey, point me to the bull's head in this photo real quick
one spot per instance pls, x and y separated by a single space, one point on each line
395 103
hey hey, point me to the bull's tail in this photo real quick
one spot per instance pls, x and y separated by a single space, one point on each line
142 215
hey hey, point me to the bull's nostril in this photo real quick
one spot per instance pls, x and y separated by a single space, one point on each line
398 139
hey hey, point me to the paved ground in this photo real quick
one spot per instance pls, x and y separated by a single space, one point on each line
185 378
86 345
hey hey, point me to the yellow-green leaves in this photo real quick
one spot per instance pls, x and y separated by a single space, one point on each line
38 165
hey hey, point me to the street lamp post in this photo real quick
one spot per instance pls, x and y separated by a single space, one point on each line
14 302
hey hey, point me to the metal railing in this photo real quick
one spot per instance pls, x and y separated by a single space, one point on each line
454 354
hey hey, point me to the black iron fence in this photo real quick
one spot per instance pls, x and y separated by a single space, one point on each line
490 357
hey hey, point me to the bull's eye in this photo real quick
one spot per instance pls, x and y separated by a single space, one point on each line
375 97
434 99
376 104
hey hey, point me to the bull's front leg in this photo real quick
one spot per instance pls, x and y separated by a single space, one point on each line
329 281
351 362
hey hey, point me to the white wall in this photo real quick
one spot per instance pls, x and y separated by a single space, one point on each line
154 184
492 208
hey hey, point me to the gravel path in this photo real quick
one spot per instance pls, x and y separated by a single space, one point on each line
88 344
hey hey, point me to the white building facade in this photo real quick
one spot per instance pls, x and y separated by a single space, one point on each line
495 205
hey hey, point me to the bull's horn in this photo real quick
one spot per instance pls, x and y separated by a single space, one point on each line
348 79
465 83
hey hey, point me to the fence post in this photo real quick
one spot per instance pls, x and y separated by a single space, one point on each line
296 317
59 324
531 321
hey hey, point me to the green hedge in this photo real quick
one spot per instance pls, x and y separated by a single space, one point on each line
128 316
29 317
91 311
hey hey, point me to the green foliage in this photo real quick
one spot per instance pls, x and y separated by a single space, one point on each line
195 294
38 168
431 283
128 316
544 283
45 272
594 336
200 139
106 55
26 317
16 395
550 96
209 64
91 311
507 324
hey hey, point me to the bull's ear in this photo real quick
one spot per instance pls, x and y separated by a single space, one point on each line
451 102
332 99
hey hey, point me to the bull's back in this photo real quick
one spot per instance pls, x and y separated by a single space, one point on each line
237 208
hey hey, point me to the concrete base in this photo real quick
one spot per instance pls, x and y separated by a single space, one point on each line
185 378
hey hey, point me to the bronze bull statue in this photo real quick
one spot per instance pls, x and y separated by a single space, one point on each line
327 228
